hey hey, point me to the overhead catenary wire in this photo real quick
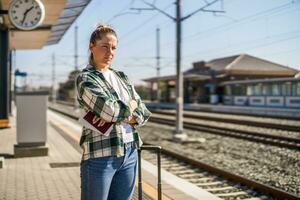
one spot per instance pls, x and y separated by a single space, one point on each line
231 25
228 26
240 44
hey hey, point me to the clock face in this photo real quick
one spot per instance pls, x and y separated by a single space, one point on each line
26 14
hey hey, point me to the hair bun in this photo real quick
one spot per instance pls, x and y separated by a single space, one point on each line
99 26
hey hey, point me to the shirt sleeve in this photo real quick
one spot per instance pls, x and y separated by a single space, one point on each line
141 113
92 95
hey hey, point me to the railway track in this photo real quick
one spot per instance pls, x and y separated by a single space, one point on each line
225 118
281 141
168 118
221 183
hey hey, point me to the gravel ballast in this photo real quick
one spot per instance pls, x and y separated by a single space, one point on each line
275 166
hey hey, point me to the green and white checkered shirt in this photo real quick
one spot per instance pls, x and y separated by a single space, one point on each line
97 95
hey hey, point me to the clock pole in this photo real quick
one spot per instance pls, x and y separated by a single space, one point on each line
4 75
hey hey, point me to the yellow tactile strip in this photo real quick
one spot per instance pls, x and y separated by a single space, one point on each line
4 123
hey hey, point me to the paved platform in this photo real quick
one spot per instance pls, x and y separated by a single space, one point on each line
32 177
56 176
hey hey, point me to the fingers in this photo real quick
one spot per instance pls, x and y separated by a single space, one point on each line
133 105
133 120
102 122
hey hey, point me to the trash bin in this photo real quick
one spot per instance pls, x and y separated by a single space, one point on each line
31 124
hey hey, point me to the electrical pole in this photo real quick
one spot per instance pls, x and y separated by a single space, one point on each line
158 62
76 105
53 79
179 78
76 49
178 133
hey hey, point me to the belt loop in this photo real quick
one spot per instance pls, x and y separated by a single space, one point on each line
129 144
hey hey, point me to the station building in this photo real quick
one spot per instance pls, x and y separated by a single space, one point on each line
235 80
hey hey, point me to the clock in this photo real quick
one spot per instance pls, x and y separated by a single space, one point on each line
26 14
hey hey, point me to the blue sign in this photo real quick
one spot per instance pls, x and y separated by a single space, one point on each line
18 73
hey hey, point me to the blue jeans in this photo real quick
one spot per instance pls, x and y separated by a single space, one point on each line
109 177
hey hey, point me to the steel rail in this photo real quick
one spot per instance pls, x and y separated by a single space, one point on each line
280 141
285 127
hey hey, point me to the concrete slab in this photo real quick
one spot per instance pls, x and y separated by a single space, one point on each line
25 151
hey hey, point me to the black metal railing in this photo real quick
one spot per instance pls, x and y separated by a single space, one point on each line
157 149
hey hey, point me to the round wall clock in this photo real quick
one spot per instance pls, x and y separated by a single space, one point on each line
26 14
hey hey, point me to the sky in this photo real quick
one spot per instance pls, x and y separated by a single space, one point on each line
268 29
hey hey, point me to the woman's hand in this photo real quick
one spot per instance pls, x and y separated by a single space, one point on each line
99 121
132 120
132 105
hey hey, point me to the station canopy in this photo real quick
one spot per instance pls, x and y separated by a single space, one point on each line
60 14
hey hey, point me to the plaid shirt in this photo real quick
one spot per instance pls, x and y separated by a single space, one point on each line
97 95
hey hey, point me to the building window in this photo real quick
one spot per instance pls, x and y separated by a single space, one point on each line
287 89
258 89
294 89
228 90
276 90
239 90
266 89
297 88
250 90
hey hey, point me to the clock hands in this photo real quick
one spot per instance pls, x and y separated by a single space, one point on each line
25 14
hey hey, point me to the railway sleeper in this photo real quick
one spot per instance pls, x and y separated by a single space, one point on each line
200 179
169 164
241 193
209 183
189 171
176 168
258 198
220 189
199 174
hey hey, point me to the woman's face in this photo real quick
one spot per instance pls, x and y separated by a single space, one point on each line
104 50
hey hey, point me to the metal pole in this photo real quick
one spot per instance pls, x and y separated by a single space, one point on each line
158 174
76 105
53 79
158 61
76 48
179 81
140 191
4 78
9 83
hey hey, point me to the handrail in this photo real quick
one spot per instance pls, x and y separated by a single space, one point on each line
157 149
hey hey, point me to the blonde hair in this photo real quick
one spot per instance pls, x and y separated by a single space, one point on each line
98 33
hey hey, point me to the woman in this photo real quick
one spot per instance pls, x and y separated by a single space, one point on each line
108 166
